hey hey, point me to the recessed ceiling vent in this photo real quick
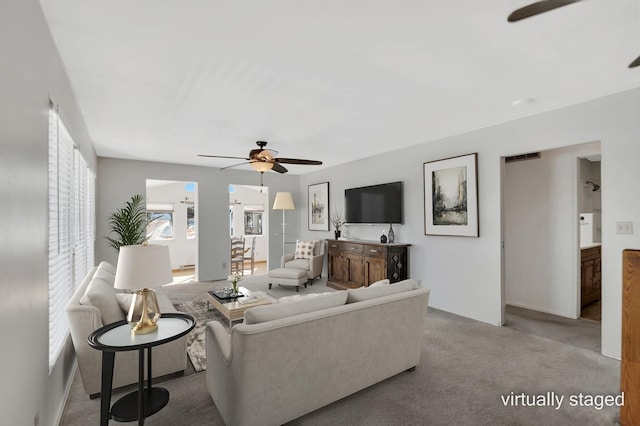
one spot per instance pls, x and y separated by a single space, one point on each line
522 157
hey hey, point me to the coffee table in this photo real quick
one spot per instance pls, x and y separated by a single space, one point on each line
232 309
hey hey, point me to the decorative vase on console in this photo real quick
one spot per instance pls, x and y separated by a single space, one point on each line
337 233
391 236
383 238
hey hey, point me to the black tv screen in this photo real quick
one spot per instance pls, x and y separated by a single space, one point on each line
374 204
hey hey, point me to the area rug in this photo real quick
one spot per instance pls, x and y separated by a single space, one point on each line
196 348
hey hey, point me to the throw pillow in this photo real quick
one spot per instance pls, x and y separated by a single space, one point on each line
124 300
366 293
283 310
106 265
102 295
304 249
380 283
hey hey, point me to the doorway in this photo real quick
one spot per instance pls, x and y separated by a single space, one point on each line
249 222
541 247
172 211
590 202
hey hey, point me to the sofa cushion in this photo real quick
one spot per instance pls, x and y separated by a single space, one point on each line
303 264
282 310
299 297
366 293
380 283
304 249
101 294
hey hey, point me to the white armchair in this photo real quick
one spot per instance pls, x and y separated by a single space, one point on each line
312 265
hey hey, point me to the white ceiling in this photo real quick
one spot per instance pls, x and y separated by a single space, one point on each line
334 80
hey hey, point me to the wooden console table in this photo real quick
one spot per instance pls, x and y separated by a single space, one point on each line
357 263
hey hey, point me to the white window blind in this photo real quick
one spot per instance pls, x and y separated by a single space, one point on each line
71 227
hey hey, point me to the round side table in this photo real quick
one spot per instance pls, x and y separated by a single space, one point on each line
118 337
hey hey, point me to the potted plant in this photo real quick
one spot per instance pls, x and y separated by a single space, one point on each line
129 223
338 222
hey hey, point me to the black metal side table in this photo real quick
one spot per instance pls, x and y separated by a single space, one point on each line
117 337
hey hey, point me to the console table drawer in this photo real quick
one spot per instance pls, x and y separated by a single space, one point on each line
374 251
348 247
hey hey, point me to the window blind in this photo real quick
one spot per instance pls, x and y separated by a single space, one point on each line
71 227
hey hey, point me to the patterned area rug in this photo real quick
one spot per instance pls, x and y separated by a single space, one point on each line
196 348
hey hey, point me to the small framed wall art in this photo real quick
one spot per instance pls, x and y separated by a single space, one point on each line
318 206
451 196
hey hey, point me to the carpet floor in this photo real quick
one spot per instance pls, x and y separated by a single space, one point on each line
470 373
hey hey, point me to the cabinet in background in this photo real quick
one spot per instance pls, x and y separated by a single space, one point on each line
590 276
354 263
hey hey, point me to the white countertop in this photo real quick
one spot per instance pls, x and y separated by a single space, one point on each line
588 246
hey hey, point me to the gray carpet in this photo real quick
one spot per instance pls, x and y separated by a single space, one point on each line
465 369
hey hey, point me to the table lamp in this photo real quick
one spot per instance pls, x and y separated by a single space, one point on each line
283 202
140 268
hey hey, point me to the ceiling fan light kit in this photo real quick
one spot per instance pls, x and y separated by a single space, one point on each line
261 166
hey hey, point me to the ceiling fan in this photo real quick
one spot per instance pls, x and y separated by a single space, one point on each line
545 6
265 159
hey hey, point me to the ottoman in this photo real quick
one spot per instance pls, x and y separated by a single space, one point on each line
288 276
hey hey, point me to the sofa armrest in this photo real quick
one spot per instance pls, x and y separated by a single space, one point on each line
217 337
286 258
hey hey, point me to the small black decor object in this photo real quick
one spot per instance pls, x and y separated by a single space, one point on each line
391 235
383 238
337 233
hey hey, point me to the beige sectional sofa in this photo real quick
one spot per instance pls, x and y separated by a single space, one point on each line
96 303
288 359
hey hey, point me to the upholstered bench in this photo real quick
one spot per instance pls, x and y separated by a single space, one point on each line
288 276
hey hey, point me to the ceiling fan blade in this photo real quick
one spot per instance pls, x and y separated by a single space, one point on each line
298 161
277 167
234 165
635 63
538 8
223 156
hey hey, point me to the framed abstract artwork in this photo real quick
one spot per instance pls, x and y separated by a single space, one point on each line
451 196
318 206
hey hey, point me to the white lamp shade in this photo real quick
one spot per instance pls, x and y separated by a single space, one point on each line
283 201
143 266
261 166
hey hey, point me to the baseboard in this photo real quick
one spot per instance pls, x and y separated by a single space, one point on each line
537 309
67 392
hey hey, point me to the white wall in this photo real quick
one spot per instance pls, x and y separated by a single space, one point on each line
212 207
541 231
182 250
31 73
465 274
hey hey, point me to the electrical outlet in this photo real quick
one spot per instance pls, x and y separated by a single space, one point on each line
624 228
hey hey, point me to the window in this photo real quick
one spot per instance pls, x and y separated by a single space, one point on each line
191 221
160 221
71 227
253 220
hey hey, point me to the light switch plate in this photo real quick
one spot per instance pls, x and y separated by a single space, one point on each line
624 228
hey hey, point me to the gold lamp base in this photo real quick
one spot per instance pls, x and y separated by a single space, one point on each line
144 312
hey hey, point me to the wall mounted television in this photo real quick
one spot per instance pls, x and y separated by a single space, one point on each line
374 204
